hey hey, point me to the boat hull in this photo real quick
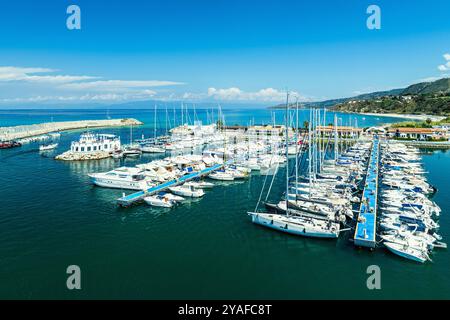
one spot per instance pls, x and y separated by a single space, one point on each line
283 226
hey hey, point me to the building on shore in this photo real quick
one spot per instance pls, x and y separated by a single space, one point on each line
342 131
260 130
197 130
421 134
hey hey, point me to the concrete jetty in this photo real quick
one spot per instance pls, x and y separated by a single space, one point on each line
26 131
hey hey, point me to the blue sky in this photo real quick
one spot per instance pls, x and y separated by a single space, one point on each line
198 50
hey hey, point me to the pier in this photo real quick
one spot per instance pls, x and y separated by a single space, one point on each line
130 199
365 233
26 131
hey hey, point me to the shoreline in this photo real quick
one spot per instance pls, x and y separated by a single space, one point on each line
421 117
26 131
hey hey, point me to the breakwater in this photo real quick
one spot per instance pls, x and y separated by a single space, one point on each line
25 131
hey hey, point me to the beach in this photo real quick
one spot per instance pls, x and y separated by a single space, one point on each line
420 117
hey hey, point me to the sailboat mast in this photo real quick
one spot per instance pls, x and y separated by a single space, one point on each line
324 144
182 114
167 122
319 141
154 126
335 139
310 150
287 159
131 135
296 148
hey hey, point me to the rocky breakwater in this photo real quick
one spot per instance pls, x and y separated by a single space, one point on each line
24 131
76 156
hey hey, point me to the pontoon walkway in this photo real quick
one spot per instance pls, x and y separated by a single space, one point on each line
365 234
140 195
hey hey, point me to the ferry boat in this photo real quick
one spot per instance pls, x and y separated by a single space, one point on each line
90 142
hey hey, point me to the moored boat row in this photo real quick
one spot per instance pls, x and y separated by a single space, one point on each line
408 225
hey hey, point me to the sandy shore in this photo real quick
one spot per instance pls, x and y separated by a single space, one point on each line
25 131
421 117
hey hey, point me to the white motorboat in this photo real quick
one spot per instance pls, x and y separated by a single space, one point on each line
122 178
172 197
236 174
48 147
221 175
132 152
199 184
159 201
117 154
187 191
152 149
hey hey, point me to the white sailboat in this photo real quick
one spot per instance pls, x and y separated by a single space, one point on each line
154 148
301 225
408 252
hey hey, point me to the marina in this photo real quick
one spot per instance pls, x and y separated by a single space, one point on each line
316 187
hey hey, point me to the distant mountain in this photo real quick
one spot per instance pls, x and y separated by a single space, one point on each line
333 102
425 97
421 98
435 87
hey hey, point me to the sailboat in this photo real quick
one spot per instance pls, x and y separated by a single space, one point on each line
155 148
131 151
408 252
291 222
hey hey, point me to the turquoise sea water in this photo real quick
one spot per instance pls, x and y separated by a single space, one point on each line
52 217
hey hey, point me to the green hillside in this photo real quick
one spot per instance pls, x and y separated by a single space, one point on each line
421 98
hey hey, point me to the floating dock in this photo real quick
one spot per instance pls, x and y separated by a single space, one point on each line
140 195
365 233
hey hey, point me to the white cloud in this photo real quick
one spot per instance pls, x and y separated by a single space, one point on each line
49 85
29 75
101 97
236 94
117 85
446 66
